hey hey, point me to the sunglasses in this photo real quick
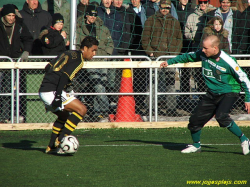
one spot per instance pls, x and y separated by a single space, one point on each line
203 2
166 8
93 15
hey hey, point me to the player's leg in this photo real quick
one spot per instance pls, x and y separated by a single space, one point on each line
204 111
77 110
56 129
223 118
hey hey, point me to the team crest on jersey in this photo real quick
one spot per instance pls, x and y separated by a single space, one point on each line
46 40
237 68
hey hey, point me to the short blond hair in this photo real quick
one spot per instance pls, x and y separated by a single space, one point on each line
215 40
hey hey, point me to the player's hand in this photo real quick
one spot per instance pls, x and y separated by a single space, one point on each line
164 64
247 107
57 102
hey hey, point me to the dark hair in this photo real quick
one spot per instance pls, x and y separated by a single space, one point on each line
89 41
210 23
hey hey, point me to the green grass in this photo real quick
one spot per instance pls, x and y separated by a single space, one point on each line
123 158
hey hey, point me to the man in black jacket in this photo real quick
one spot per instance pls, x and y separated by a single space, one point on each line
15 42
36 20
15 37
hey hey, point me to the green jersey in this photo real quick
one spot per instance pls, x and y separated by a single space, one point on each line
222 76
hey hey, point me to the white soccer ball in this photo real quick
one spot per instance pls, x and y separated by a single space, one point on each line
69 144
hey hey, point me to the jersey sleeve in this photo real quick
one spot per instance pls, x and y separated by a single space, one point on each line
186 57
242 78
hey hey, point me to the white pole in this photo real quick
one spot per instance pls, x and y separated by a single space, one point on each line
73 18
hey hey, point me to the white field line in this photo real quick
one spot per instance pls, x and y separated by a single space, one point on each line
127 145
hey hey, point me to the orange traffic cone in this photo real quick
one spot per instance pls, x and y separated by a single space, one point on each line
126 103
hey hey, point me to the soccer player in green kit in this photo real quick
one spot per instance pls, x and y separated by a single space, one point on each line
224 79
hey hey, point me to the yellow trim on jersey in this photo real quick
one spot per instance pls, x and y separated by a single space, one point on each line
77 69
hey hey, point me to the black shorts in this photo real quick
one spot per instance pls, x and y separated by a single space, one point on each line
210 105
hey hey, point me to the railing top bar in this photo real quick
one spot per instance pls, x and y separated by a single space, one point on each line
108 57
123 56
30 57
173 56
6 57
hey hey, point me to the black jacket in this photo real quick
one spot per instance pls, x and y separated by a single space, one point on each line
149 7
52 42
113 22
126 30
36 22
136 29
21 40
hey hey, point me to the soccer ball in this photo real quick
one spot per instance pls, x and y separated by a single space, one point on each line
69 144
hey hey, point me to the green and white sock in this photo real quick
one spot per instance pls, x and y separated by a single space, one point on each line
196 138
236 131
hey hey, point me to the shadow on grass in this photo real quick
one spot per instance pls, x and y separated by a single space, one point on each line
23 145
27 145
165 145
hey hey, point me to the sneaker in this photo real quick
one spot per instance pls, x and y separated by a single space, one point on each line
50 150
191 149
245 147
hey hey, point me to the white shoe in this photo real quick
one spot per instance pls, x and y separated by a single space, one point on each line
191 149
245 147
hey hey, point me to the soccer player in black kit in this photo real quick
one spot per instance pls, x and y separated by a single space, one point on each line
58 76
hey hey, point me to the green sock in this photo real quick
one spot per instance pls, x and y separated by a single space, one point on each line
236 131
196 138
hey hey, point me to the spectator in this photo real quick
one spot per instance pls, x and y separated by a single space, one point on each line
113 21
215 27
233 23
81 7
90 25
137 18
196 23
184 9
246 32
162 36
53 38
15 42
152 6
62 7
126 33
193 32
36 20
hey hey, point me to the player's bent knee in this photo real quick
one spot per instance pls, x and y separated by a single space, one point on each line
194 127
224 120
82 110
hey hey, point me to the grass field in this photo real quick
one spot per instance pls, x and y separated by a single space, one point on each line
124 158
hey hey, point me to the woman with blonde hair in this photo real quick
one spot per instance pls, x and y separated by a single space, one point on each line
215 27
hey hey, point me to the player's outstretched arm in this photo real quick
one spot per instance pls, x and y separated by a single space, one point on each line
164 64
247 107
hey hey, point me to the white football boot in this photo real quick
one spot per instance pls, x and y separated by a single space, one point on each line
191 149
245 147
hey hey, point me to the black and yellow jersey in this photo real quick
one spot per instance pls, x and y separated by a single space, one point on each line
61 70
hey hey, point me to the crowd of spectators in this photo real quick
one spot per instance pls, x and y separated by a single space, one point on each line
148 27
126 22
